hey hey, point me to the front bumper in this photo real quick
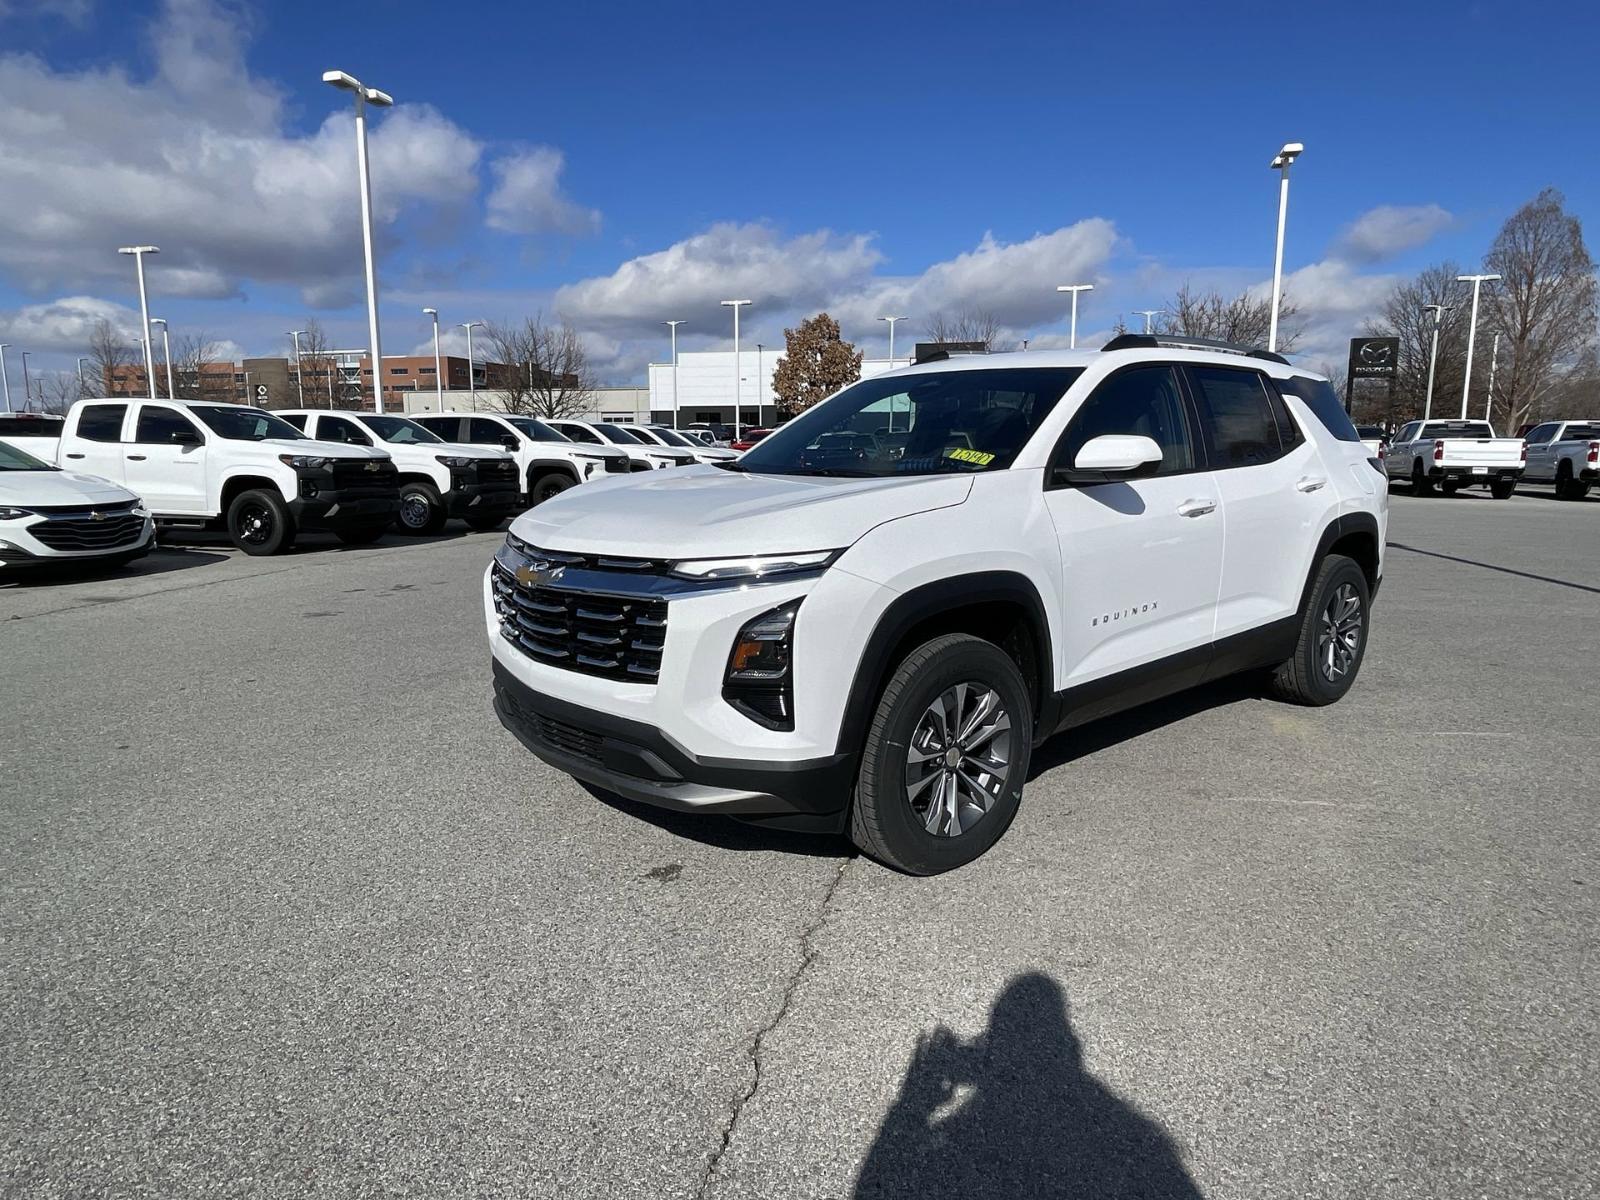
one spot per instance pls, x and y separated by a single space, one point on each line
481 499
331 510
639 762
1473 474
19 548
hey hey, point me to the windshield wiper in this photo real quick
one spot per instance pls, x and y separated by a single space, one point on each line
835 472
732 465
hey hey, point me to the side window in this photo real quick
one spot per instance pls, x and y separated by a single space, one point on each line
1238 423
1541 433
577 433
1141 400
157 425
483 432
1318 395
1409 433
298 420
449 428
101 422
338 429
1288 432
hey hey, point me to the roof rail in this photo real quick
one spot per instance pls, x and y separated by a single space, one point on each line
1153 341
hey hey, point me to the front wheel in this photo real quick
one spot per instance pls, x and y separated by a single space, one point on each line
1333 636
1503 489
421 511
546 487
259 522
945 758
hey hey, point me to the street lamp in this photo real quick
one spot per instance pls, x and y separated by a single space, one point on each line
673 325
472 379
891 321
365 96
1438 311
82 358
1494 362
735 305
299 375
166 353
1477 281
1075 288
27 389
1147 314
1290 152
4 376
438 378
138 253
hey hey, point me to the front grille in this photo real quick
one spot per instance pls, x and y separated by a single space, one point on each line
356 478
618 465
568 739
86 533
615 637
590 562
492 470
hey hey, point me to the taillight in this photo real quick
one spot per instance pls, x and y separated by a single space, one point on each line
1594 452
1383 453
1524 451
1438 452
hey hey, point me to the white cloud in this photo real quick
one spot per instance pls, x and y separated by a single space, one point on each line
527 196
197 159
65 324
1390 229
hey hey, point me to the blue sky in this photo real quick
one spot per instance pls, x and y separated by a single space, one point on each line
628 163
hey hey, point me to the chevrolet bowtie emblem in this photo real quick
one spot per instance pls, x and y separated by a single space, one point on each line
534 574
372 466
96 515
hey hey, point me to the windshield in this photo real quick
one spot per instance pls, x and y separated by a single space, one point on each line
1371 431
672 437
400 431
246 424
621 436
929 423
12 459
537 430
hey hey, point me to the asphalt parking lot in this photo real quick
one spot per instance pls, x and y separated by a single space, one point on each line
287 913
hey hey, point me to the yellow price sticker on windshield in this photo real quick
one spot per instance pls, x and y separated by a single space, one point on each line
976 457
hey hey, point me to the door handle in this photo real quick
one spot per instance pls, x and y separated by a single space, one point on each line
1196 508
1310 484
135 458
74 456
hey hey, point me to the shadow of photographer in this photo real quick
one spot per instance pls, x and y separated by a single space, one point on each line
1014 1114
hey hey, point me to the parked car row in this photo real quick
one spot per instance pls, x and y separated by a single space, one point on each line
96 484
1450 455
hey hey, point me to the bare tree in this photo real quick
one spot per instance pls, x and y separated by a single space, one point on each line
1245 319
545 367
58 390
195 373
109 353
317 368
1544 305
964 325
1405 315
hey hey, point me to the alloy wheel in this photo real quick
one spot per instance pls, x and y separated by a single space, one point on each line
255 524
1339 637
958 759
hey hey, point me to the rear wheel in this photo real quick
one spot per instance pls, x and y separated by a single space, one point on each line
1333 636
1449 486
1503 489
544 487
1421 485
421 511
1568 488
260 523
945 758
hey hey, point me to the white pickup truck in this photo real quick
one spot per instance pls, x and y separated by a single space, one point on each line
233 467
1452 455
1567 454
549 461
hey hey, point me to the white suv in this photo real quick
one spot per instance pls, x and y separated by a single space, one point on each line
869 620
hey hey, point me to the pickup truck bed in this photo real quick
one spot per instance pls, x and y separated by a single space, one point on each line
1455 454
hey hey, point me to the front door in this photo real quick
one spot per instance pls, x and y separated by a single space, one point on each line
166 461
1141 559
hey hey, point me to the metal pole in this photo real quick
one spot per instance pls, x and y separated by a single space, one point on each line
299 373
1438 311
1074 288
735 305
1277 260
81 359
676 418
5 376
472 374
1477 281
166 355
144 313
761 398
27 388
366 245
1494 362
438 366
1147 314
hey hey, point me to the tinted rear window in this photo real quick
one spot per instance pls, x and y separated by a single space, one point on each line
1457 429
1580 433
1318 395
101 422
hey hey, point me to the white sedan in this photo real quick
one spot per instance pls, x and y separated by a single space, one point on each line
48 515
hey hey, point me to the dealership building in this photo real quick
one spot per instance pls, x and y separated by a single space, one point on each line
702 386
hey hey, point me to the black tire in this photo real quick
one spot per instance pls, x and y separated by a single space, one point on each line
421 512
1421 485
1449 487
1503 489
362 535
1568 488
883 821
543 487
484 524
1303 678
259 522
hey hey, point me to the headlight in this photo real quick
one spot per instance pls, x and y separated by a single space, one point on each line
455 462
304 462
11 514
758 682
757 567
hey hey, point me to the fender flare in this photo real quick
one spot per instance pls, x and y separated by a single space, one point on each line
1337 529
539 466
910 609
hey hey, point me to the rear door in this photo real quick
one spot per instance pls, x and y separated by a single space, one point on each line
1141 558
1275 491
96 445
1542 450
170 474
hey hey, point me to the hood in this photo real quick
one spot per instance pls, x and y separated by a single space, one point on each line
451 449
311 446
707 512
27 488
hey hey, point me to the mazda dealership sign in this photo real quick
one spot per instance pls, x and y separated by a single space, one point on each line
1374 357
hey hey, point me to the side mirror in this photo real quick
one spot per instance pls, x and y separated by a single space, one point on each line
509 441
185 437
1112 457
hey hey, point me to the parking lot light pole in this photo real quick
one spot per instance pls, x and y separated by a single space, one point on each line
166 354
1148 314
82 358
138 253
1438 311
1075 288
299 375
1477 282
1494 361
735 305
472 374
4 376
438 377
891 321
673 325
365 96
1286 156
27 388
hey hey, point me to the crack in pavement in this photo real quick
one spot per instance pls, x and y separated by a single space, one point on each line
808 955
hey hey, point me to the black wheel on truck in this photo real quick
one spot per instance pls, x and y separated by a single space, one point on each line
945 758
362 535
421 511
543 487
1421 485
1449 486
1568 488
259 522
1502 489
1333 636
